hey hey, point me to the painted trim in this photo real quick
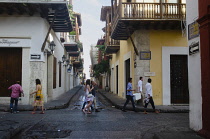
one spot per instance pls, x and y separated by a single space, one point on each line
166 52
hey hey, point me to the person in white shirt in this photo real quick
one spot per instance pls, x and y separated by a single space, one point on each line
148 96
140 84
140 88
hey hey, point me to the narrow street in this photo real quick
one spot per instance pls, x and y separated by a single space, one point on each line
108 123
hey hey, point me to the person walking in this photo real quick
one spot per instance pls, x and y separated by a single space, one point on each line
38 97
140 88
88 96
129 95
94 84
16 91
149 98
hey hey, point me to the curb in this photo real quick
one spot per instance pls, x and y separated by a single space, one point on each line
5 108
142 109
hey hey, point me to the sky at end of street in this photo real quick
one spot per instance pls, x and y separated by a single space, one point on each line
91 26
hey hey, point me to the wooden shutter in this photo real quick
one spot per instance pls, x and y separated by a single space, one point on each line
59 74
54 72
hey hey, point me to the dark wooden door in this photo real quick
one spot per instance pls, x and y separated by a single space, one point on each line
179 79
117 79
127 73
10 69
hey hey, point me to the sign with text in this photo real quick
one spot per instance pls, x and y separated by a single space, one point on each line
36 56
9 42
145 55
193 30
194 48
149 74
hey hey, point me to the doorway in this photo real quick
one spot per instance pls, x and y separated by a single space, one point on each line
117 79
127 73
10 69
179 79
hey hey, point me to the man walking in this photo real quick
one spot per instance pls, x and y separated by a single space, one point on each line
140 88
129 95
149 98
16 90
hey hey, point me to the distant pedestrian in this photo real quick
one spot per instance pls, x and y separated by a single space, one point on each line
16 91
129 95
148 98
94 84
38 97
88 96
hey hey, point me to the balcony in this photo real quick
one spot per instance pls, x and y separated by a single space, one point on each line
129 17
112 46
53 11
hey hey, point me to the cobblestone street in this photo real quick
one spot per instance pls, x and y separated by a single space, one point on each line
108 123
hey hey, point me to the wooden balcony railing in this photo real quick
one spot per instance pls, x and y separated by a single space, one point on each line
150 11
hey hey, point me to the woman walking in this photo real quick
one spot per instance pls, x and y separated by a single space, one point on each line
38 98
88 96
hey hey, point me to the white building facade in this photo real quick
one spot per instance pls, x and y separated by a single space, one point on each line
194 66
22 37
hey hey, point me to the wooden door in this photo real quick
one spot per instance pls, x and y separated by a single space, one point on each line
117 79
179 79
127 73
10 69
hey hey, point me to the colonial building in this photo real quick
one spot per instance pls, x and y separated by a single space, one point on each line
31 47
148 38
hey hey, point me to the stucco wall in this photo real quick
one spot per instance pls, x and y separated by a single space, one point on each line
194 73
159 39
126 52
35 29
142 42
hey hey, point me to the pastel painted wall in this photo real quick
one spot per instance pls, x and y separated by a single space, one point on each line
126 52
158 39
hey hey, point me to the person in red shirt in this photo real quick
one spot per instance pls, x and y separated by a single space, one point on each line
16 91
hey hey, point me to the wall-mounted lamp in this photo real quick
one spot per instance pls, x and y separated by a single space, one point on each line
52 46
65 61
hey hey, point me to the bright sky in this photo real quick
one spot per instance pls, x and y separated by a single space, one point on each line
91 25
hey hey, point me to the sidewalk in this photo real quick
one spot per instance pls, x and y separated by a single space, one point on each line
118 103
60 103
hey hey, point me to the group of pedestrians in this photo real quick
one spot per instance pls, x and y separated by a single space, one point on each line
17 91
146 99
90 97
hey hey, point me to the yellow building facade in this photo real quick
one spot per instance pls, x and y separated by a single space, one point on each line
154 41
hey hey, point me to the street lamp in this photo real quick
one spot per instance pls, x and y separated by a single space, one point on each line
63 58
52 46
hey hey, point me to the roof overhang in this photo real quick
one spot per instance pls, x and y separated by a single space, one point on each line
47 10
74 54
